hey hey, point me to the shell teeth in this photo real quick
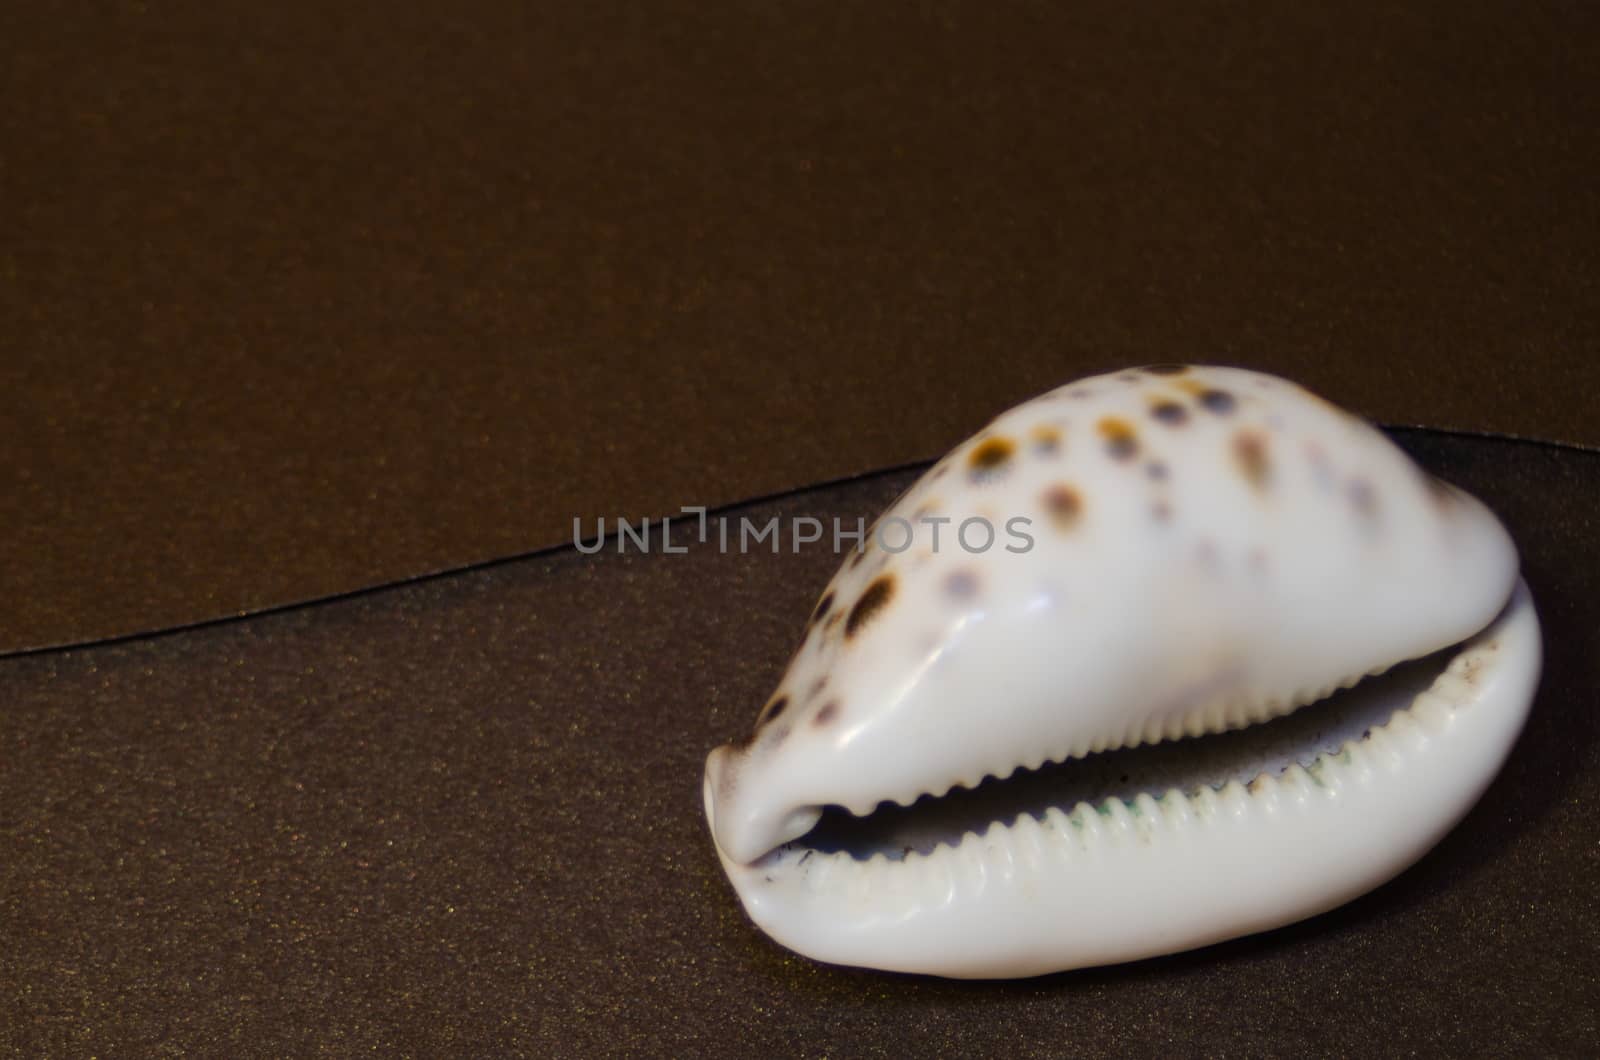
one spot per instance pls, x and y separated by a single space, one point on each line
1353 761
1431 710
1454 685
1264 788
1029 841
1384 744
1179 810
1203 802
1403 726
1027 845
1216 719
1128 821
1380 742
1233 799
837 871
1086 823
1297 780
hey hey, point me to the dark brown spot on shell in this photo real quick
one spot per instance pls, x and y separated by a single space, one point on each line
1166 369
1363 498
816 689
1250 450
826 713
989 458
833 620
824 605
1122 443
1321 469
1046 440
1219 401
1170 412
1064 506
775 707
1156 470
961 585
873 600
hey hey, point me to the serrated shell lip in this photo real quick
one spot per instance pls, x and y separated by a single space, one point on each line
1457 732
1205 721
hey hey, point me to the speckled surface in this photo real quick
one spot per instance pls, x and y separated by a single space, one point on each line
463 816
296 300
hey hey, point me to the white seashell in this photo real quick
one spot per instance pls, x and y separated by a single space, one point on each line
1212 549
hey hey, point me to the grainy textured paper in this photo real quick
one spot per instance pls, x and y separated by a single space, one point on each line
299 298
463 817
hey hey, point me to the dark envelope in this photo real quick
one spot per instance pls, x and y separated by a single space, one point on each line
297 301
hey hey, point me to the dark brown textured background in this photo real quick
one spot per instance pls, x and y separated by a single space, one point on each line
463 817
297 299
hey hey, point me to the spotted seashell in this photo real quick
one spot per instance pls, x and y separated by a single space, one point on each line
1117 730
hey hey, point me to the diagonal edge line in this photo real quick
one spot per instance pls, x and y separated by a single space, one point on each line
1492 436
549 550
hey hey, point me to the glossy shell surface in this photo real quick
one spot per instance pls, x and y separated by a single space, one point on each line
1144 557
